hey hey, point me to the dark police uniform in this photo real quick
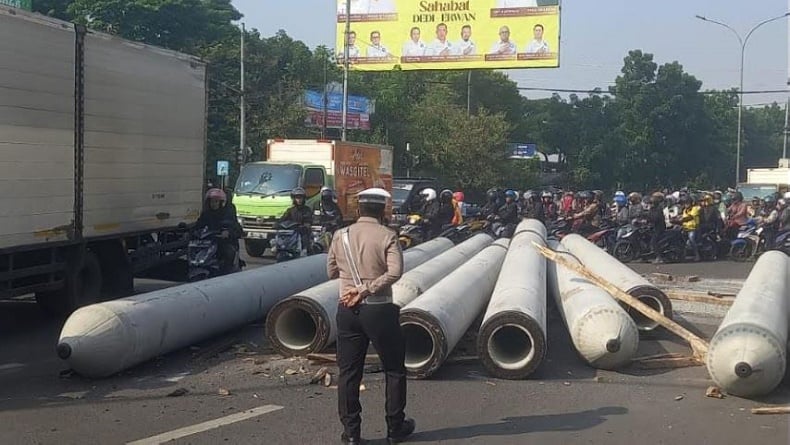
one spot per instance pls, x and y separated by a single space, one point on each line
376 254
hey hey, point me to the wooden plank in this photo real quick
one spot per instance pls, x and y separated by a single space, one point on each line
771 410
698 297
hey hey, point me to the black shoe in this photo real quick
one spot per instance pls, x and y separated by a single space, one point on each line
402 433
345 440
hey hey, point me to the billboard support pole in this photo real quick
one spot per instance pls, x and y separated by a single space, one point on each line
345 70
469 93
242 111
323 126
408 160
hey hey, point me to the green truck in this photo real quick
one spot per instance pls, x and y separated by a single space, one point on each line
262 192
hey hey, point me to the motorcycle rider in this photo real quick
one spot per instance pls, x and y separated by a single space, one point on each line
720 205
532 207
585 219
300 214
326 212
737 215
567 204
459 199
655 217
710 219
770 221
216 216
550 210
492 203
507 214
633 211
618 203
689 220
438 213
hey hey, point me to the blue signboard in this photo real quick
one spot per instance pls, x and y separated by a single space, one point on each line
314 100
522 151
223 168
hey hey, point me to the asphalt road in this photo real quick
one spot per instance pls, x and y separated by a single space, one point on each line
226 377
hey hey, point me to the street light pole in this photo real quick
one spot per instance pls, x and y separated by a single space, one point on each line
345 71
743 42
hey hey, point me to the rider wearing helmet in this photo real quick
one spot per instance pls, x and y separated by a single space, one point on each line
459 199
710 220
550 210
437 212
690 221
492 203
218 216
300 214
770 220
737 215
657 220
531 207
633 211
326 212
588 215
507 214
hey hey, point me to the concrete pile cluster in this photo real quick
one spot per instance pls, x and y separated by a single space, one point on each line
445 288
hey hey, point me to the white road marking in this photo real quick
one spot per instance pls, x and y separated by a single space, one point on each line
205 426
8 366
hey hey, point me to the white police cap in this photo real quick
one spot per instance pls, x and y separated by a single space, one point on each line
374 195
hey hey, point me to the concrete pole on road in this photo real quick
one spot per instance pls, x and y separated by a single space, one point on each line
345 71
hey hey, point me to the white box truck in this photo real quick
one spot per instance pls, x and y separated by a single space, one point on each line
102 149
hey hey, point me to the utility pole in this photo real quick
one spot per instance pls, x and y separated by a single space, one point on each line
408 160
787 117
242 111
345 70
323 126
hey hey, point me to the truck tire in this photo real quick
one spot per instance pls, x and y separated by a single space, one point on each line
255 248
82 287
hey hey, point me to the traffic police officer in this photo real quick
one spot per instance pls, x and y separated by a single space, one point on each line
367 258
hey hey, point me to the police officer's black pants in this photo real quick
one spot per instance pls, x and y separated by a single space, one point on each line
376 323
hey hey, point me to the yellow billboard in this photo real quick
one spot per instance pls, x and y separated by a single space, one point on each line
436 34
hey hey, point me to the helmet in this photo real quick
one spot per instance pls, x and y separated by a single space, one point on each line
619 193
781 202
685 199
511 194
298 191
707 198
727 199
459 196
770 199
598 194
786 195
216 193
546 194
634 197
737 196
530 195
620 200
327 193
492 194
585 195
446 195
717 194
658 197
429 194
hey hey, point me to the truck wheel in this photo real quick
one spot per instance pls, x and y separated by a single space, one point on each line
255 248
82 287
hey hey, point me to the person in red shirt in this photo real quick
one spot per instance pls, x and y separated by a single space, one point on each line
737 215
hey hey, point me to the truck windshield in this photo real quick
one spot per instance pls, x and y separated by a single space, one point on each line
268 179
750 191
400 192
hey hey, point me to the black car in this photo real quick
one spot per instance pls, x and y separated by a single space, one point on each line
406 196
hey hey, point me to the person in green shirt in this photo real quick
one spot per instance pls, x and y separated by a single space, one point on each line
689 220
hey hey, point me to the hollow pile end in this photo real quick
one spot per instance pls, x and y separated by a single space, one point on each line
426 343
511 345
297 326
652 297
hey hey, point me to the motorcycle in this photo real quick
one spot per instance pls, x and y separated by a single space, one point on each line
559 228
204 259
321 237
748 243
606 237
288 242
635 244
414 232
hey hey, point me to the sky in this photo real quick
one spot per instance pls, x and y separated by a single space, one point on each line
597 35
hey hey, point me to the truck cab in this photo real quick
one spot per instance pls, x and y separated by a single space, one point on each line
263 194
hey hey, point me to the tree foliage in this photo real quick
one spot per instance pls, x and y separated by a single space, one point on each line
654 127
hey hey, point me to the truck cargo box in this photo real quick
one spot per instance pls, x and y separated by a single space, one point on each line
36 130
